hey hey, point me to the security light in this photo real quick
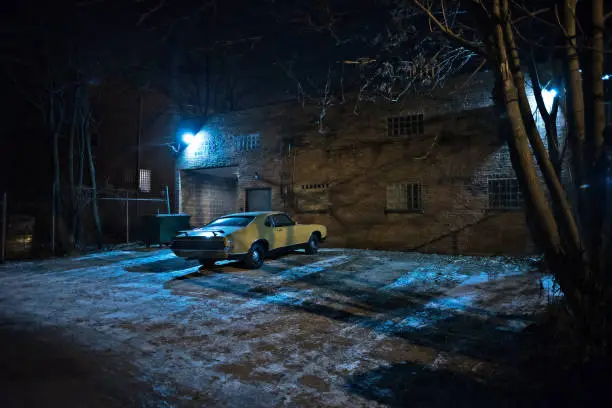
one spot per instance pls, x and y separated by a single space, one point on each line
188 138
550 93
197 139
549 96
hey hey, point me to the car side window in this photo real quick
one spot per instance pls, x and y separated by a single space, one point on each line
269 221
283 220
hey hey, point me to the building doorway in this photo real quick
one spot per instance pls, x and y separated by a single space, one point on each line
258 199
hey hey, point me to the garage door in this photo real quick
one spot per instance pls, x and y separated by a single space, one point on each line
259 199
206 197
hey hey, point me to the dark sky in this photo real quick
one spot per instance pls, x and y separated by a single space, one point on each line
248 44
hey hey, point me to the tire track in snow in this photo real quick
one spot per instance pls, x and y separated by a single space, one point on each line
293 298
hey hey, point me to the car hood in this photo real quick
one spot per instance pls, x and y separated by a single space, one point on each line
209 231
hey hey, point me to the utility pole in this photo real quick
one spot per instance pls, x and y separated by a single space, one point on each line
3 249
53 220
138 136
127 217
167 199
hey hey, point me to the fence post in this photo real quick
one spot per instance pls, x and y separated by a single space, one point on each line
53 220
3 249
167 199
127 217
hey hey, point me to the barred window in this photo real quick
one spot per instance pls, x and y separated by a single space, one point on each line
504 194
247 142
144 182
409 125
405 197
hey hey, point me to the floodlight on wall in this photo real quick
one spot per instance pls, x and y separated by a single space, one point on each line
548 95
187 138
190 139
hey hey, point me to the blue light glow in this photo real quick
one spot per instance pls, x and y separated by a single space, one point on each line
197 139
549 96
195 142
188 138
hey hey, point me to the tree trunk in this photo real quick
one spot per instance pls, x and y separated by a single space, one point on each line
56 118
574 100
549 118
595 158
528 179
74 207
569 230
81 177
94 194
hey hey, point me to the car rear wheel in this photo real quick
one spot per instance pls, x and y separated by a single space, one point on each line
312 246
255 258
207 263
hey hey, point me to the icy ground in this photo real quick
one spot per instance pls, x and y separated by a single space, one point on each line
344 328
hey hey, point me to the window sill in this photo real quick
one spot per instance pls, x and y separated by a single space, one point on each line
312 211
389 211
503 210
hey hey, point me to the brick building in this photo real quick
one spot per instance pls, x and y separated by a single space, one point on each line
430 173
134 154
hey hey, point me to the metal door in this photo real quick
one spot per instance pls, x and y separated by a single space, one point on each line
258 199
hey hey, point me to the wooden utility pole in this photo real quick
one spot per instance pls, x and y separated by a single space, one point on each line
4 219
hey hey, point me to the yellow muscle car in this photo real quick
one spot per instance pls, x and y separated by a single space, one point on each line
248 237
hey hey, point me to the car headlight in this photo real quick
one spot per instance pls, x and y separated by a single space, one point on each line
229 244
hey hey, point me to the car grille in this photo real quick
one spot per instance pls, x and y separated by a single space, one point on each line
199 243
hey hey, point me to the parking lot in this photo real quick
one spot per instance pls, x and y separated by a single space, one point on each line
341 328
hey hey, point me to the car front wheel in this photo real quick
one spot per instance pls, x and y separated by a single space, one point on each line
312 246
255 258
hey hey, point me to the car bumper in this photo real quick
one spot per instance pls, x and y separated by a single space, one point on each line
206 254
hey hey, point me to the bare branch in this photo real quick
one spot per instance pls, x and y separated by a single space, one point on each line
532 14
151 11
475 47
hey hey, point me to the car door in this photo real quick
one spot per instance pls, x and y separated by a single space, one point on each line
284 230
270 234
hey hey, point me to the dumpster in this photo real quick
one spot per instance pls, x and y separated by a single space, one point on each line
160 229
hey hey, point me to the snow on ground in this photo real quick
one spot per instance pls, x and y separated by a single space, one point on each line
342 328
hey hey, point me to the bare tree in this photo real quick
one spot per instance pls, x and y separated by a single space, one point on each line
54 69
572 222
388 63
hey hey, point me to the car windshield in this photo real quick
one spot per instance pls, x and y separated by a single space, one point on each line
231 222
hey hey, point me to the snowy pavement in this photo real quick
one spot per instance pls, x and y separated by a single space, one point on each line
341 328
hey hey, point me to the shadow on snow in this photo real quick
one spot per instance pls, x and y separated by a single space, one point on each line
425 319
163 265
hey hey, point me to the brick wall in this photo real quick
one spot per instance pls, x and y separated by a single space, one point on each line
340 177
205 197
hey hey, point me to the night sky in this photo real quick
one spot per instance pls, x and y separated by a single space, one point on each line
263 48
251 43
